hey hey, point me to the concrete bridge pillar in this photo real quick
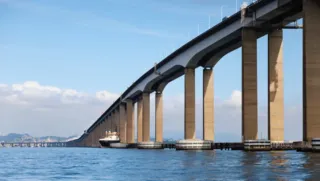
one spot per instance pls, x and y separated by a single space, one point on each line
311 70
139 120
189 104
90 140
107 123
100 130
275 81
96 136
105 126
123 123
116 121
111 121
146 117
249 85
130 121
208 103
159 117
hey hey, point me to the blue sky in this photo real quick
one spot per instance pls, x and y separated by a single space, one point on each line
107 45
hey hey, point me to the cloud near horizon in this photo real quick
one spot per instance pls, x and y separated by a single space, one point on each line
42 110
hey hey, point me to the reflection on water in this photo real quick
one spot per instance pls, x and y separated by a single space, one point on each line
114 164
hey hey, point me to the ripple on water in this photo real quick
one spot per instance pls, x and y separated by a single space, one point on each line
116 164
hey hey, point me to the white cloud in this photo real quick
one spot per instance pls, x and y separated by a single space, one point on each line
41 110
235 99
47 110
106 96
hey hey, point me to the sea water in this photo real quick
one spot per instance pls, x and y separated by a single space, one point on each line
133 164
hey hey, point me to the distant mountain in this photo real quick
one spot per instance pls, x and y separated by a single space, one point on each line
15 137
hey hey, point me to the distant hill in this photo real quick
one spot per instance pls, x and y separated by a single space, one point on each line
15 137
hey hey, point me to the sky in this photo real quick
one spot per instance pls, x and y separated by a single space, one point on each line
64 62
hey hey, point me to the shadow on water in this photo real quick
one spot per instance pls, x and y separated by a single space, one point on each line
279 165
312 165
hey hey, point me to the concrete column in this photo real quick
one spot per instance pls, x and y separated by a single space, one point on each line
105 126
111 122
249 85
116 121
159 117
311 70
130 121
139 120
97 135
91 139
275 81
100 130
108 123
146 117
189 104
208 98
123 123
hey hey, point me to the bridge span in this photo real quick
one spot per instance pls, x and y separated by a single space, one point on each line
242 29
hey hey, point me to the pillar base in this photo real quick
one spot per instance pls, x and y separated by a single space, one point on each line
118 145
149 145
257 145
194 144
315 145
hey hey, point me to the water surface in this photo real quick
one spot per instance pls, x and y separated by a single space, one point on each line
117 164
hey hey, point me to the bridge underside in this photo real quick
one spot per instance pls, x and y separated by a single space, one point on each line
263 18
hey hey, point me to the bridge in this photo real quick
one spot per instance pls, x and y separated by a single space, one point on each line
242 29
32 144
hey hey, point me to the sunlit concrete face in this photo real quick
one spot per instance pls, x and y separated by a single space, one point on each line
311 70
146 117
159 117
189 104
275 81
123 123
139 120
208 117
249 85
130 122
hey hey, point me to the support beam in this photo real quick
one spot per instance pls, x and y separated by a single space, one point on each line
108 124
208 99
189 104
275 83
116 121
130 121
123 123
159 117
139 120
311 70
146 117
111 121
249 85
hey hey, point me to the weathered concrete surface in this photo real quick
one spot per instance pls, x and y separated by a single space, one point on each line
208 96
159 117
139 120
189 104
275 81
130 121
123 123
112 116
146 117
249 85
311 70
117 120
